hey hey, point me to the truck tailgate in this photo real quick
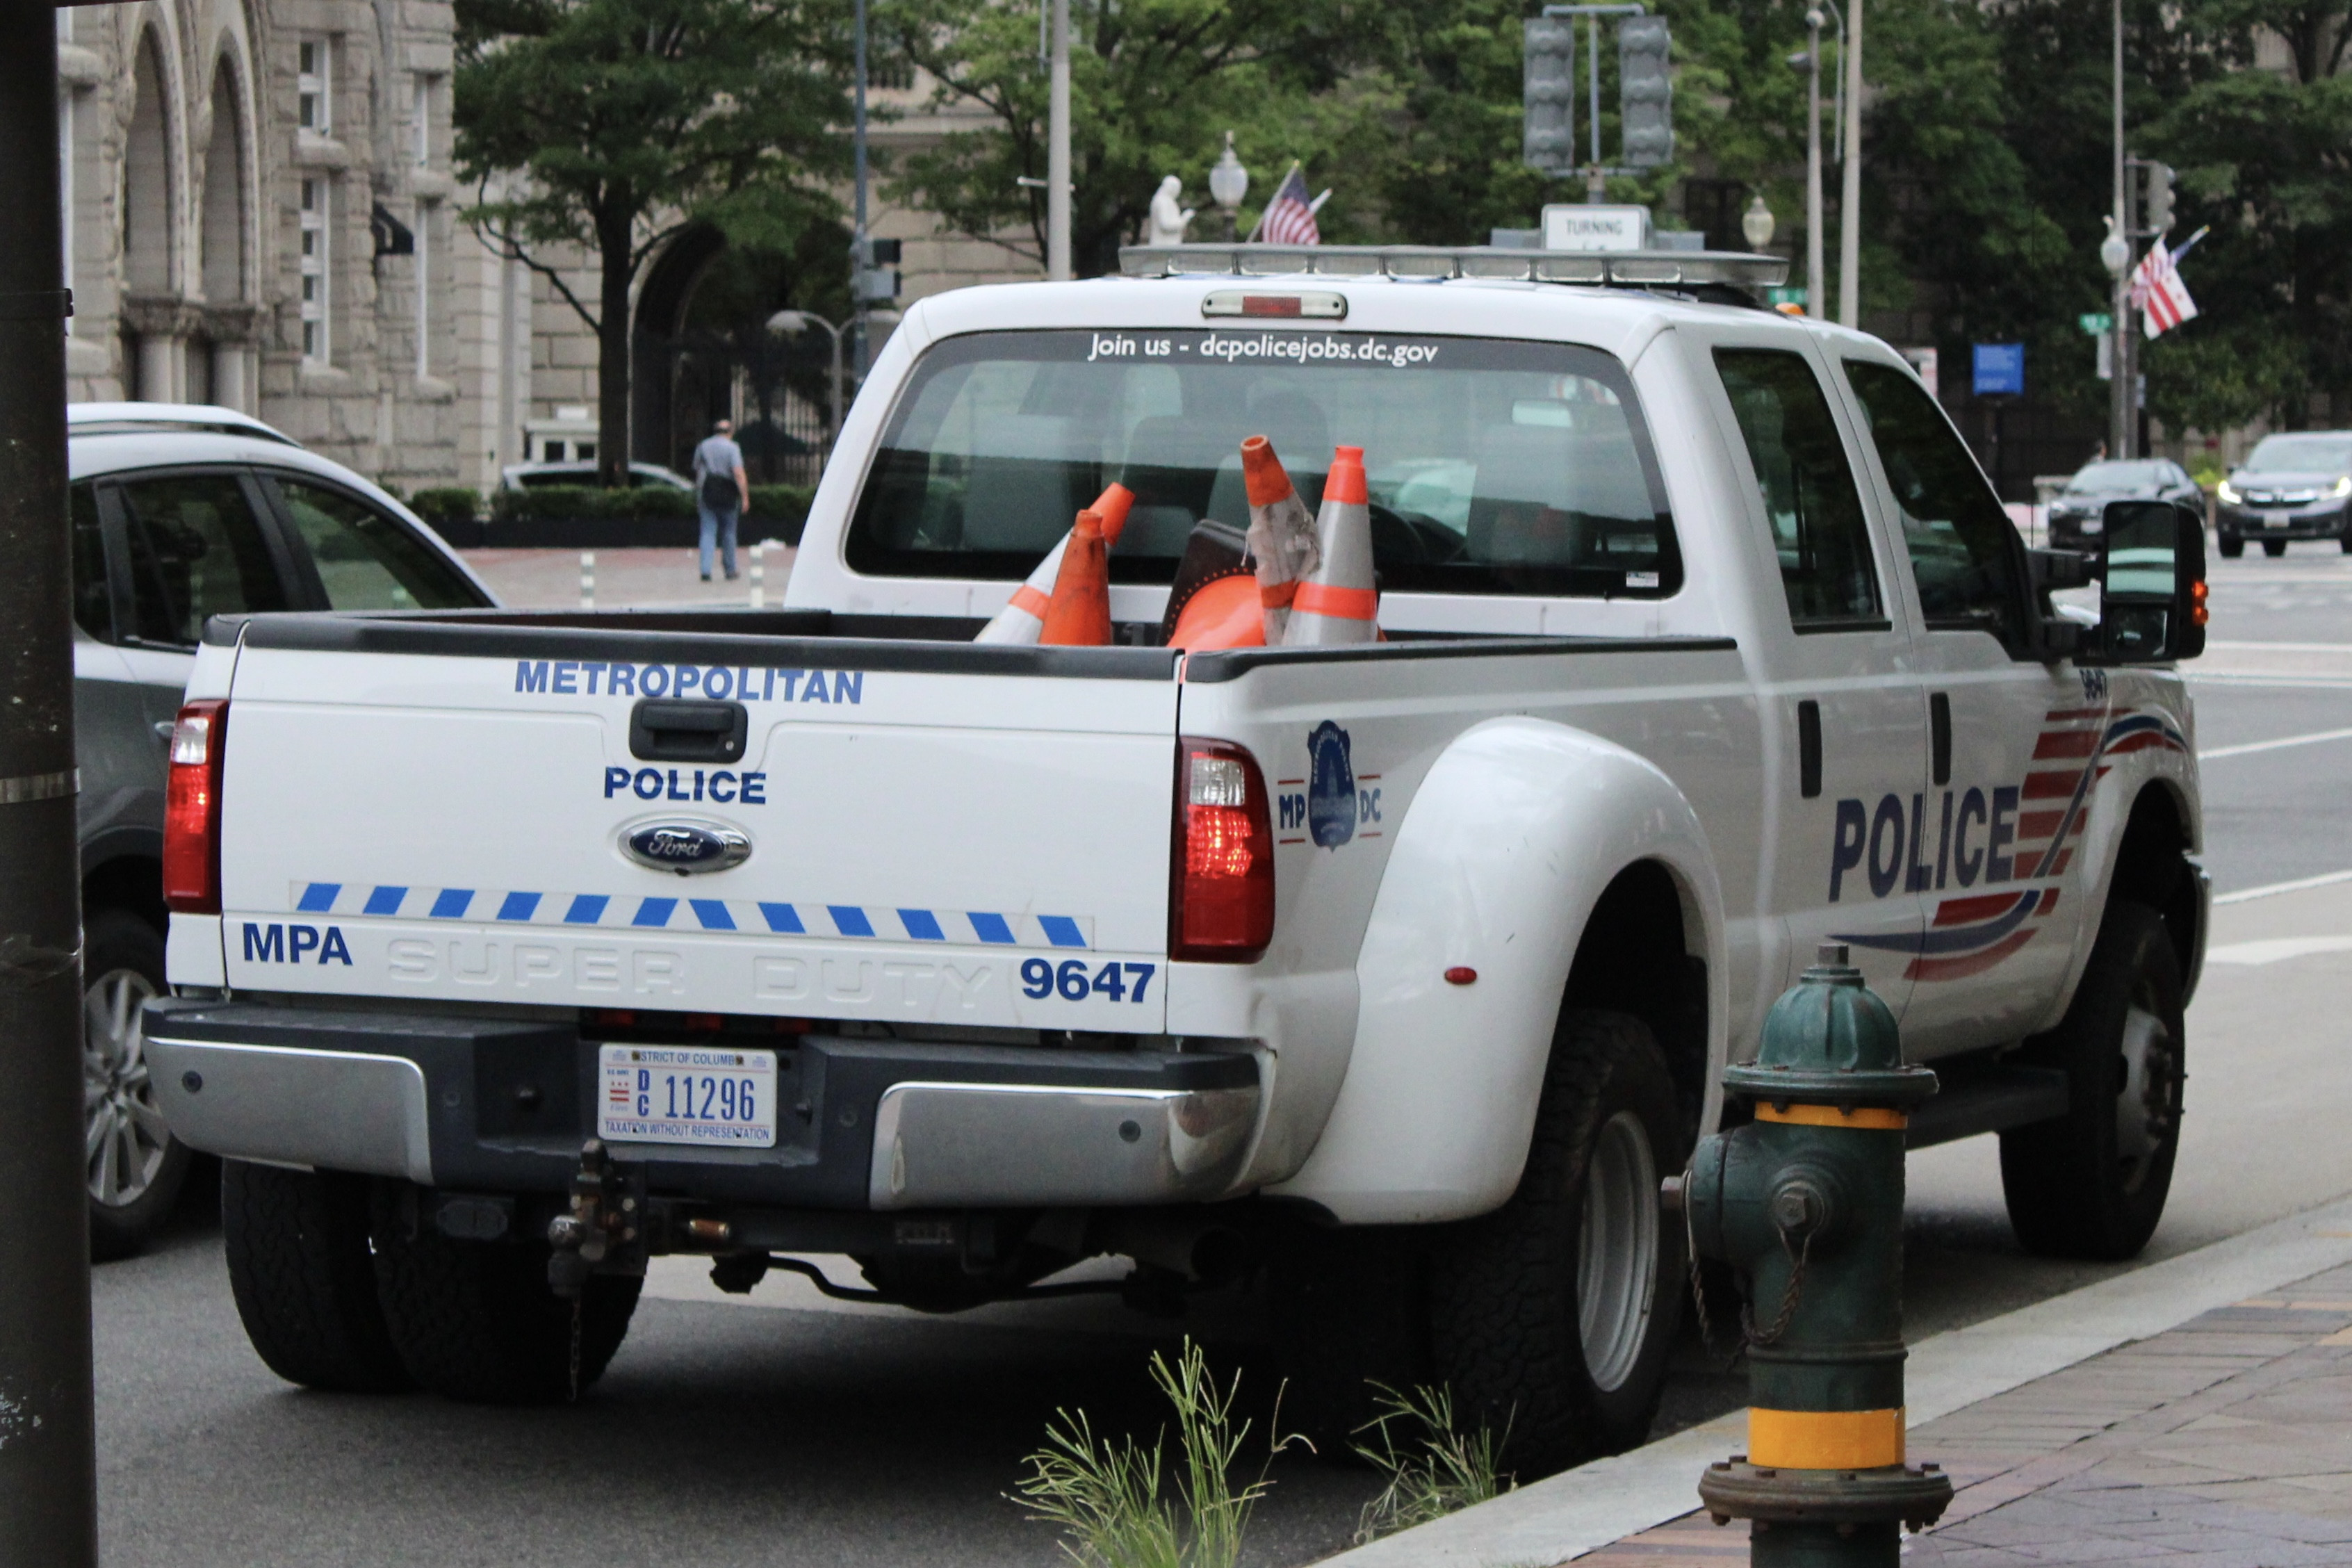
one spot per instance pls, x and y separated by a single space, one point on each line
925 842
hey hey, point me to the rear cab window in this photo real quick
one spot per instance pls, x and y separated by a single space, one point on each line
1496 466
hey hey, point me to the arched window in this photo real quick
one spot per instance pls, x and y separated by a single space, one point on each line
223 228
147 179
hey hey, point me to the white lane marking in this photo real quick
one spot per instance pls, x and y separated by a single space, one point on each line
2327 880
2250 747
2212 643
2300 682
2271 949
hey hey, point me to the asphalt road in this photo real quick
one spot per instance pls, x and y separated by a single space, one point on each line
790 1431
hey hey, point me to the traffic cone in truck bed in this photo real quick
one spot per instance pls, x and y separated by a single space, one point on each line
1339 603
1023 619
1079 612
1282 545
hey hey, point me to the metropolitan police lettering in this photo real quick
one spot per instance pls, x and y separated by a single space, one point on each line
742 683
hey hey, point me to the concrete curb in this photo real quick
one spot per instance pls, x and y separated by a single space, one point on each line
1585 1508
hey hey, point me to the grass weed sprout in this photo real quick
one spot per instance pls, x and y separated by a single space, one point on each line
1109 1497
1433 1468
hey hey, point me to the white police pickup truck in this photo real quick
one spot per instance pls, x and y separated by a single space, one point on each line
509 949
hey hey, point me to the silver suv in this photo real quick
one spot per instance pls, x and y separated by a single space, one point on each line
181 511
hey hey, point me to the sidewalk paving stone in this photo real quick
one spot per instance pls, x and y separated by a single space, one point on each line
2223 1442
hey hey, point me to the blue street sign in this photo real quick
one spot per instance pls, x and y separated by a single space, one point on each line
2000 370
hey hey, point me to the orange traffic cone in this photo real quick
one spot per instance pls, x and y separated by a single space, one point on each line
1337 603
1079 612
1282 544
1024 617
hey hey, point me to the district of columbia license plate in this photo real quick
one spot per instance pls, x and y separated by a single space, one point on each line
702 1095
2277 519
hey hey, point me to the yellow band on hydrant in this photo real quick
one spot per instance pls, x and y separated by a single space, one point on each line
1874 1117
1825 1439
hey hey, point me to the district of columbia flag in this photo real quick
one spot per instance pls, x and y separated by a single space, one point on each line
2157 289
1289 217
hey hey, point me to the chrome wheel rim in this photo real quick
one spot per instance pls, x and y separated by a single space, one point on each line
2146 1077
1617 1253
125 1136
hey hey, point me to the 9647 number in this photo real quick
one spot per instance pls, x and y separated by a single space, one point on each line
1041 978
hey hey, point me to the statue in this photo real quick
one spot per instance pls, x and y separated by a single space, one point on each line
1168 219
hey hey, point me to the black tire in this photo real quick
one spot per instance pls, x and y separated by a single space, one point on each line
297 1243
2231 546
475 1320
2273 548
136 1167
2092 1183
1350 1310
1508 1289
2344 541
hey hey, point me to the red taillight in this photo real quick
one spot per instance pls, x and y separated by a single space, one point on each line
192 810
1221 884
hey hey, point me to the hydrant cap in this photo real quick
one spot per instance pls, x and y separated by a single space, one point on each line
1831 1040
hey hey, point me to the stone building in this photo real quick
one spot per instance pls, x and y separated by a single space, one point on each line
260 212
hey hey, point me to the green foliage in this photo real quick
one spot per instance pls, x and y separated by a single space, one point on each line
611 125
448 503
1437 1469
1109 1498
787 504
572 503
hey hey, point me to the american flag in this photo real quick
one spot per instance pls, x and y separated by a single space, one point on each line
2157 289
1289 218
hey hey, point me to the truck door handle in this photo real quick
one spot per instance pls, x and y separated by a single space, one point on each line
1939 735
1809 749
675 732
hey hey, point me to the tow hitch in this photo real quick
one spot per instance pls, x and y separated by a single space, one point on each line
603 1220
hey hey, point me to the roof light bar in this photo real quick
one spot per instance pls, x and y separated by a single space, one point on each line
1645 268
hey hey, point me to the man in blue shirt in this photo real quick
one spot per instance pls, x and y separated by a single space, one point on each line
721 493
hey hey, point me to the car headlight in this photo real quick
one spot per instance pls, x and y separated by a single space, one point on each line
2229 493
2342 487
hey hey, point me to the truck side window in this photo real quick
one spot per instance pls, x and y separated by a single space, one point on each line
196 550
367 561
1963 548
94 605
1807 488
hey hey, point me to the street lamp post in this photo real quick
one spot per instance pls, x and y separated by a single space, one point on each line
1815 304
1756 225
2115 251
801 322
1228 184
1850 187
49 1493
861 245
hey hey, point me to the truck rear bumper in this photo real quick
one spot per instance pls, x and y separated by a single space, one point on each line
468 1102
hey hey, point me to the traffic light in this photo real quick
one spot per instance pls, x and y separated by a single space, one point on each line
2157 209
1549 96
1646 89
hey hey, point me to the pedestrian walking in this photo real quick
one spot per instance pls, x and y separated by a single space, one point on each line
721 494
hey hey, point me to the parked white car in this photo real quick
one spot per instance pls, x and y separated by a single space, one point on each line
1401 973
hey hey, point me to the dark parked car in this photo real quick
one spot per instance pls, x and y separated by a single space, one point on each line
2291 487
2076 512
181 511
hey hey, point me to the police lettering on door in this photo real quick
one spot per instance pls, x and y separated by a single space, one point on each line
292 943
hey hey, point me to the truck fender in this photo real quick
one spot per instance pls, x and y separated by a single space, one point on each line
1511 840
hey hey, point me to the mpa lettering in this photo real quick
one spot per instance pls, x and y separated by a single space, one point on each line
292 943
599 678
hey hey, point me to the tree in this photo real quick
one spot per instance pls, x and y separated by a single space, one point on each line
609 125
1154 86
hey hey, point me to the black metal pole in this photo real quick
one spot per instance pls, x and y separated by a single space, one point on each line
48 1489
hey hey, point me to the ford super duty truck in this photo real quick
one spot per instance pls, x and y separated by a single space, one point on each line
508 950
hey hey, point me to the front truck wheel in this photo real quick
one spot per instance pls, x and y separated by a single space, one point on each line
475 1320
297 1243
2092 1183
1553 1317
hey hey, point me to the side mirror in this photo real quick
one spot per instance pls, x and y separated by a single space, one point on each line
2152 598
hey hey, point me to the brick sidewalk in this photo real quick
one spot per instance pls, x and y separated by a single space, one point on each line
2224 1443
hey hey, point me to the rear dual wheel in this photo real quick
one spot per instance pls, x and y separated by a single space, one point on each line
2275 548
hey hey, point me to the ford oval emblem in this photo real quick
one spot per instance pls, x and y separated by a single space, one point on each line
685 847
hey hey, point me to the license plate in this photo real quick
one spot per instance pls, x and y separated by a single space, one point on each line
2277 519
702 1095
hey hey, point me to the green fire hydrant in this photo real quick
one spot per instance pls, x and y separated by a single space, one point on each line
1806 1201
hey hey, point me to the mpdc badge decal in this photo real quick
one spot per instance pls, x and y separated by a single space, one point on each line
1330 786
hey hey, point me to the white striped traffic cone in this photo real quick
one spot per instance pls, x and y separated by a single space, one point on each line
1281 547
1339 603
1023 619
